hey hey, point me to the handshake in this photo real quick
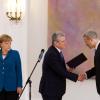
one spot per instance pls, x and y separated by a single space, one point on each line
81 77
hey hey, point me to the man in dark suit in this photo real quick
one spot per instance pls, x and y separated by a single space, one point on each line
92 41
54 71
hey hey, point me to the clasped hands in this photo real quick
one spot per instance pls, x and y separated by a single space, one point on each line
81 77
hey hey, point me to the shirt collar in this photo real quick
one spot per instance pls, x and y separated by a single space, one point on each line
58 49
97 45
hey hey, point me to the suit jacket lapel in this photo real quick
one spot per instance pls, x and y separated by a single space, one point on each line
96 53
1 59
62 59
98 48
8 54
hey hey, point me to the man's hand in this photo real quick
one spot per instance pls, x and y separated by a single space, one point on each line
81 77
70 69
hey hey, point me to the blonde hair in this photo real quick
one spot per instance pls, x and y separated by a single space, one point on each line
4 38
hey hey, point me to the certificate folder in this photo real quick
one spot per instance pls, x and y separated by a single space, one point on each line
77 60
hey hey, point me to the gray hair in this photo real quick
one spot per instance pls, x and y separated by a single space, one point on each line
56 35
90 34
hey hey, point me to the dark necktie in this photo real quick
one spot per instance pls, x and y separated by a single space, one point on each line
61 54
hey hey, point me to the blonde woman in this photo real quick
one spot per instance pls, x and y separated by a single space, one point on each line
10 70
